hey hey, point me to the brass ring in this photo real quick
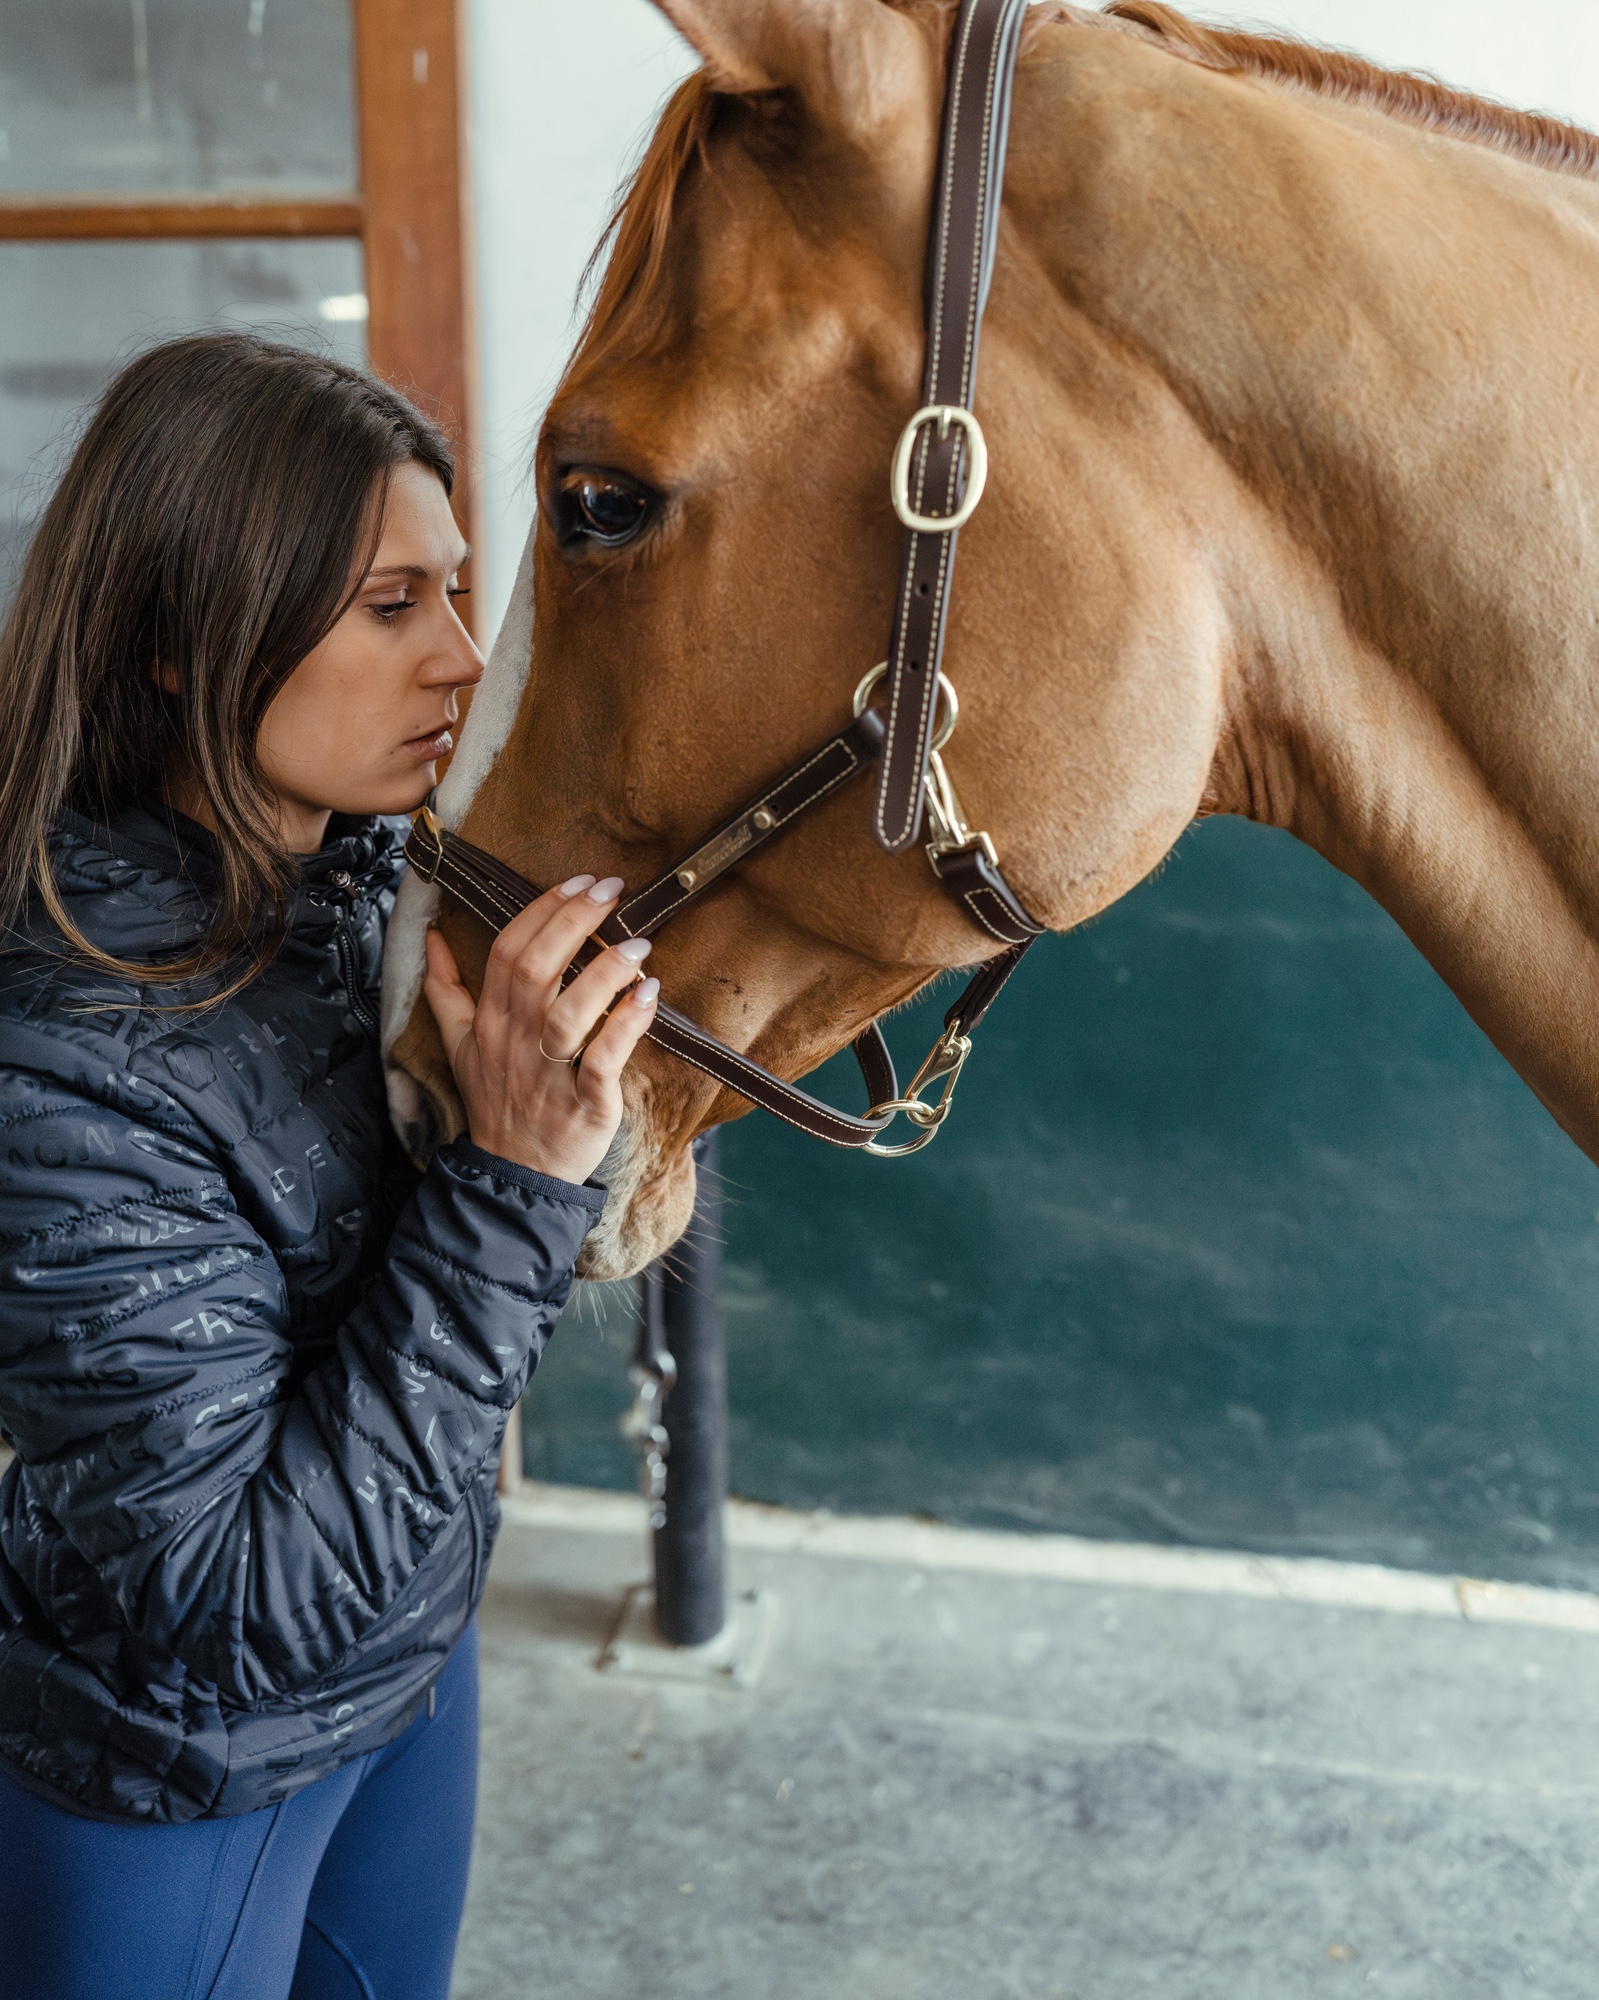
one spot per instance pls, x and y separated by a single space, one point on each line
946 688
568 1062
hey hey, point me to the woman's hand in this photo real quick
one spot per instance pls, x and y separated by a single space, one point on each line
511 1053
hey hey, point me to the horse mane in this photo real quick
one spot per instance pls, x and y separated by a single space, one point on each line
636 230
636 233
1423 100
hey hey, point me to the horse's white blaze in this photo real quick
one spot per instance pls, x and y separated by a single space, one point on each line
494 707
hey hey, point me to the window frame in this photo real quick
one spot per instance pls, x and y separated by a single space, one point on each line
410 214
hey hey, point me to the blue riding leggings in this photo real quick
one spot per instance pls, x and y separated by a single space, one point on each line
350 1890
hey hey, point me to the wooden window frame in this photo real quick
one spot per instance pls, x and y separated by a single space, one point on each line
411 214
413 219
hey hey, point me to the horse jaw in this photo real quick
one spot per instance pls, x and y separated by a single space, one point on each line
650 1180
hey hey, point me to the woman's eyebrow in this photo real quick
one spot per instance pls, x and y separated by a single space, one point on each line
418 570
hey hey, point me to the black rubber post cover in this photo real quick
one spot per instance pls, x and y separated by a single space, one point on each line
684 1288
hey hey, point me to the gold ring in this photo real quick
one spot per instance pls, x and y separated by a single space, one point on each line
570 1061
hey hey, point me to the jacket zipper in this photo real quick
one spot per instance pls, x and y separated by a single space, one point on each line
349 970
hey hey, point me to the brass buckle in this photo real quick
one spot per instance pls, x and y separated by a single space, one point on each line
428 821
943 414
946 1062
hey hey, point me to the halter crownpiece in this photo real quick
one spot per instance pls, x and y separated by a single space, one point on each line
941 462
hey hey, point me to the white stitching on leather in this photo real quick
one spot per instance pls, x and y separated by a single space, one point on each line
970 900
689 1043
702 1050
956 88
771 832
692 1044
929 691
984 196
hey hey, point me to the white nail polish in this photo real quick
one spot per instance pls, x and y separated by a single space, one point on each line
634 950
606 891
644 993
576 886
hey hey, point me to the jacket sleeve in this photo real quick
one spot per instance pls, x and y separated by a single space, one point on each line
252 1533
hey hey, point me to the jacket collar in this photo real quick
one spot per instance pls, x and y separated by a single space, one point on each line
149 862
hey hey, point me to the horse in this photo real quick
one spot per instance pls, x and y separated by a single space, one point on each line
1292 411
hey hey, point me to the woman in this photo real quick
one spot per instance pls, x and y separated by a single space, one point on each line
255 1372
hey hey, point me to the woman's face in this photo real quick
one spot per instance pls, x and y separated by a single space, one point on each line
361 723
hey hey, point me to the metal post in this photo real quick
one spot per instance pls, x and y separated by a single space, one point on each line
510 1478
683 1318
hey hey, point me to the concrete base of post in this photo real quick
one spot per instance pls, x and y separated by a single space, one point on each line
732 1659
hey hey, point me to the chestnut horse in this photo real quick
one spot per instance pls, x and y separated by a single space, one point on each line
1290 380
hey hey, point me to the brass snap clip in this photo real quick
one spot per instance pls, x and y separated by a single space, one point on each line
944 1065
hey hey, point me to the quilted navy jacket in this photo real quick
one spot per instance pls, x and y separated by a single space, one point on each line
255 1373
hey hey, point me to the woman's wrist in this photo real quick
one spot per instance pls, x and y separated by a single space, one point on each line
537 1180
551 1163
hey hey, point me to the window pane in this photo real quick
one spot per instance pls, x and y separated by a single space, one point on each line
72 313
208 95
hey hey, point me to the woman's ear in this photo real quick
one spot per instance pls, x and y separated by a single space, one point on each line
165 676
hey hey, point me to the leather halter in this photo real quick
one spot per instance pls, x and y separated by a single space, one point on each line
938 472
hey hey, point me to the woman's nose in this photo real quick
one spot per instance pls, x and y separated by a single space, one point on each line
458 663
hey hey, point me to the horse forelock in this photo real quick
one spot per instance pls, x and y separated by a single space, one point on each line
635 233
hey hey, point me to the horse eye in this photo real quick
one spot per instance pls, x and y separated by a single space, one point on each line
601 507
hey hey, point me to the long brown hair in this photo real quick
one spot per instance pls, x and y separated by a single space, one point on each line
222 504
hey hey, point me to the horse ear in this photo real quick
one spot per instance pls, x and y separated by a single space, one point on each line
843 58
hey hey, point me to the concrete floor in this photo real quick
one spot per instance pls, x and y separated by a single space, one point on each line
950 1784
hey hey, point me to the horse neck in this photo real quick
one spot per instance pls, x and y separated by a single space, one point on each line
1379 332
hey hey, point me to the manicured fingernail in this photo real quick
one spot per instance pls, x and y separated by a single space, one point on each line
643 995
606 891
634 950
576 886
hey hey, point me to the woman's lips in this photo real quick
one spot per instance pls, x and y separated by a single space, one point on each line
426 748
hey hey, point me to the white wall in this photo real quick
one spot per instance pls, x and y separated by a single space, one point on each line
565 90
563 93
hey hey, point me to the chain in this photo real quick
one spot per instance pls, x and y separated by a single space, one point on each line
653 1374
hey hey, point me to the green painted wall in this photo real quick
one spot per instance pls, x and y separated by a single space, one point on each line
1242 1235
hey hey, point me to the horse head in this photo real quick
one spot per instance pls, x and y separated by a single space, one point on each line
714 561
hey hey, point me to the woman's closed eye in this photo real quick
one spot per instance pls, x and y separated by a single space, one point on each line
389 608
